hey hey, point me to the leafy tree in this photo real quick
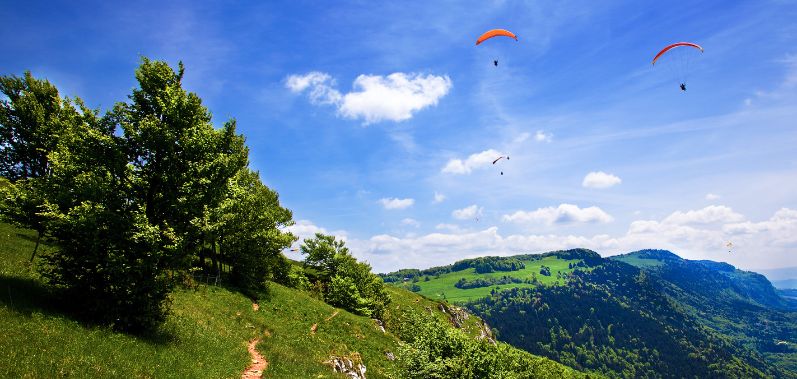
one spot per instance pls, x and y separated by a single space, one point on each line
348 283
251 238
321 253
33 120
128 195
180 163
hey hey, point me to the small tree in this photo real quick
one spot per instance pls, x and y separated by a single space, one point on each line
349 284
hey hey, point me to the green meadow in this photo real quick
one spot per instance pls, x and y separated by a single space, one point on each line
442 287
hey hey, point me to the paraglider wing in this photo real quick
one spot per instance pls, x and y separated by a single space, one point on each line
670 47
498 159
495 33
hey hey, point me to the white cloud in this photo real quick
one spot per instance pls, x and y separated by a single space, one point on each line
541 136
600 179
563 214
474 161
306 229
707 215
754 242
449 227
522 137
467 212
396 203
375 98
712 197
438 197
410 222
321 87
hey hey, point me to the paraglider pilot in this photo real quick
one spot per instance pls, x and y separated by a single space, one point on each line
495 63
683 87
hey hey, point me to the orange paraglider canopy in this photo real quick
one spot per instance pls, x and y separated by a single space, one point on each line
495 33
670 47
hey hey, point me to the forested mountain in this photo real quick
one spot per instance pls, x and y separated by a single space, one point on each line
645 314
741 304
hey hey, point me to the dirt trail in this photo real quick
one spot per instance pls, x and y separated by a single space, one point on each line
333 315
315 326
259 363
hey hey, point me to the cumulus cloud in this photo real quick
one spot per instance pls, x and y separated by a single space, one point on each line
396 203
712 197
563 214
374 98
541 136
306 229
474 161
467 213
755 242
438 197
410 222
321 87
707 215
600 179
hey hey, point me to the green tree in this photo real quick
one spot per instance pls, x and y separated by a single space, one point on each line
128 211
321 252
251 237
181 164
33 119
348 283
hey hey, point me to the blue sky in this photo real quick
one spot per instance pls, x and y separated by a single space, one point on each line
358 114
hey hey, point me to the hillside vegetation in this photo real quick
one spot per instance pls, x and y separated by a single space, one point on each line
206 334
441 282
644 314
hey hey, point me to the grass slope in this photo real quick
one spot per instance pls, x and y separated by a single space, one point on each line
204 337
443 287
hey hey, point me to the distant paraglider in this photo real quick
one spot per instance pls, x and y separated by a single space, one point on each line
498 159
729 245
678 57
495 33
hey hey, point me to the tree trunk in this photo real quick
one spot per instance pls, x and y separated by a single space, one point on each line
215 256
36 248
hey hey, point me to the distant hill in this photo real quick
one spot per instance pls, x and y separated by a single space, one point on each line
785 284
783 273
646 313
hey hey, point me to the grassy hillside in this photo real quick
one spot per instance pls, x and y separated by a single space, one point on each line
205 337
442 286
207 333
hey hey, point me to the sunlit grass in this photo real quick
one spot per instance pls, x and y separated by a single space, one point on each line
443 287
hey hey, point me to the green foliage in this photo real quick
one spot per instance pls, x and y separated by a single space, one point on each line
249 221
324 254
742 305
347 283
617 320
492 281
432 351
31 122
134 197
545 270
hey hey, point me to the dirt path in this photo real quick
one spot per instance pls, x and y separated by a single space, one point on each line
259 363
315 326
333 315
